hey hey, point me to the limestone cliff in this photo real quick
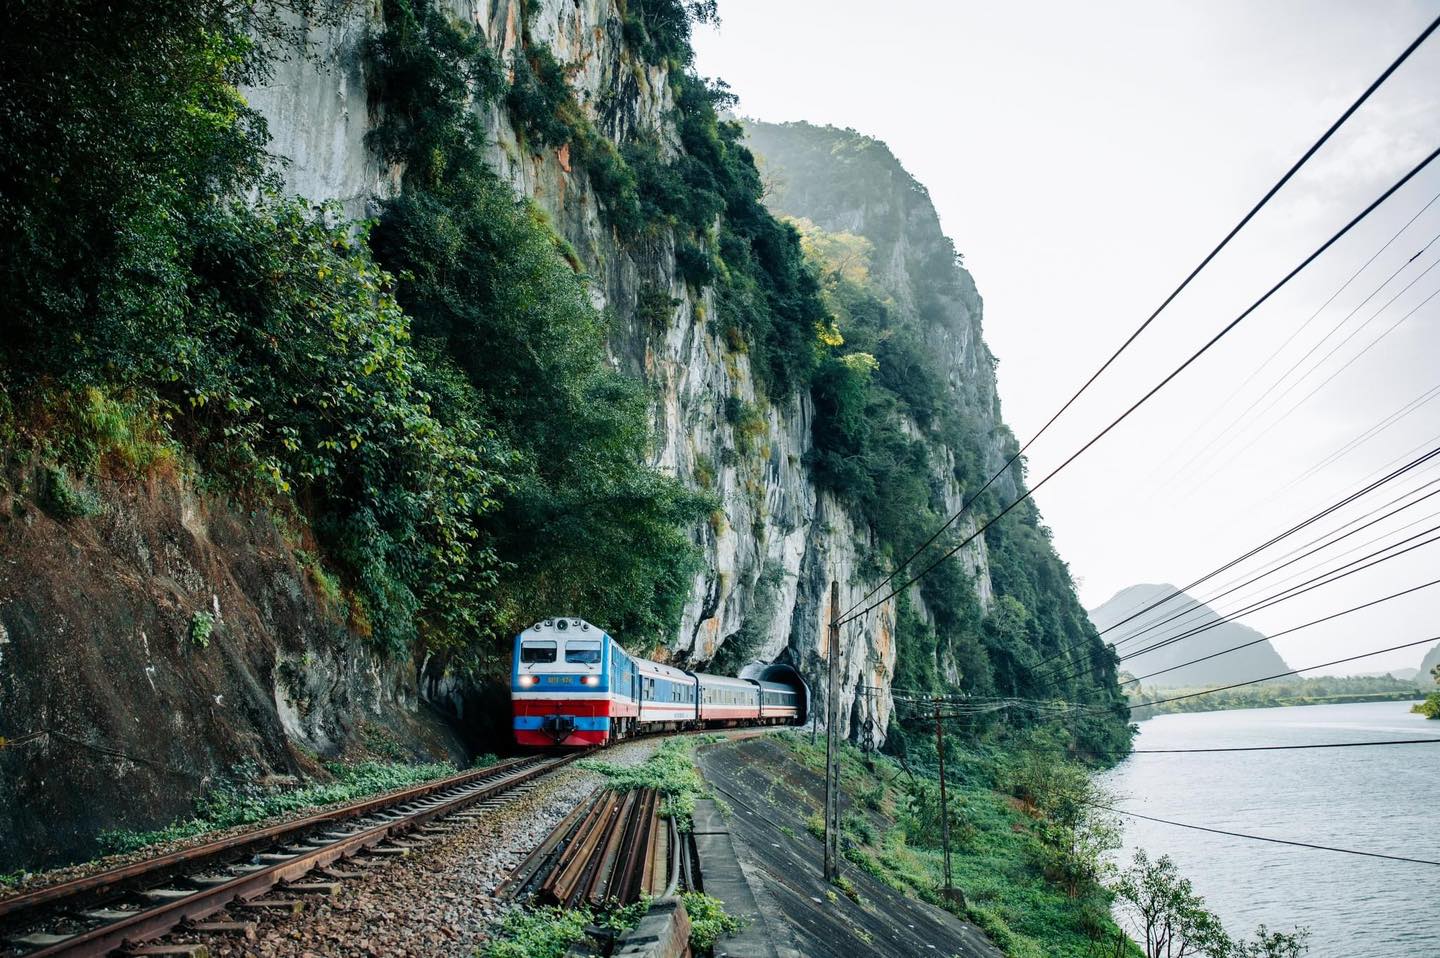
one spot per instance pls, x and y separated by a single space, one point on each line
777 540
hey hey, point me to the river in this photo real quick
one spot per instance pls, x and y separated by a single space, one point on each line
1383 799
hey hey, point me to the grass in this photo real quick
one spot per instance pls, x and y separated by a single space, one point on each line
995 859
549 932
240 801
671 771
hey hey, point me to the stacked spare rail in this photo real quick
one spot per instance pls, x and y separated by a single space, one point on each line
123 907
612 850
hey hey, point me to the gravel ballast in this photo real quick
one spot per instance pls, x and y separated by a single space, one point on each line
438 900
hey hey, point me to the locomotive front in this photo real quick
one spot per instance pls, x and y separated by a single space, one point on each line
560 684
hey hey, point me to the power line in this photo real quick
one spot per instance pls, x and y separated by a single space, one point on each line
1265 604
1316 517
1289 592
1331 378
1205 609
1164 382
1229 433
1414 405
1297 628
1291 338
1264 838
1433 740
1279 562
1199 606
1281 675
1279 184
1293 576
1311 520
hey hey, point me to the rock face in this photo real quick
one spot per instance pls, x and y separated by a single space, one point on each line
154 644
777 541
1241 665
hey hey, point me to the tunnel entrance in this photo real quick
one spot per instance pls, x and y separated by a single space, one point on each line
785 674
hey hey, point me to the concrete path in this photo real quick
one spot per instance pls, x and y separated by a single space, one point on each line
800 914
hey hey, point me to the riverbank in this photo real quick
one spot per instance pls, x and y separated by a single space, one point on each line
1320 690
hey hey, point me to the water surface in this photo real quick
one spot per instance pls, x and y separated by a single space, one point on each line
1382 799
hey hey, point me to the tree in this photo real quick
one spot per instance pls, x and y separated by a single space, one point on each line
1168 919
1164 914
1075 835
1430 708
1273 944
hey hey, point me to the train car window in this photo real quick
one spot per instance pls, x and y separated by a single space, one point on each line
533 653
580 653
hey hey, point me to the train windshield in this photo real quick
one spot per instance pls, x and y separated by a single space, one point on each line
582 653
532 653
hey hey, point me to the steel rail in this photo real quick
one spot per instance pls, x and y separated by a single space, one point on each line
149 867
460 792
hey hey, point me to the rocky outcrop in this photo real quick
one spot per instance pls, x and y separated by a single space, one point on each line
155 642
776 541
1425 676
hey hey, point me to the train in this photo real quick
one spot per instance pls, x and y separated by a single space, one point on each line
573 685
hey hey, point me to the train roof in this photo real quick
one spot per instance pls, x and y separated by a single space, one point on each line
564 627
655 669
719 680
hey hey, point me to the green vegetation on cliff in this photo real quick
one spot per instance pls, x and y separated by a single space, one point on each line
884 415
581 522
1430 708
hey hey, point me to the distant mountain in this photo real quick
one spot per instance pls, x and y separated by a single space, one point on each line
1404 675
1423 678
1251 662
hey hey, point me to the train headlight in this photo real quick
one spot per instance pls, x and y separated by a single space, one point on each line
591 680
527 680
562 624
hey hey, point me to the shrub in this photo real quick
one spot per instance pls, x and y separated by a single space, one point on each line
708 921
659 30
539 933
539 97
670 771
202 624
62 499
655 307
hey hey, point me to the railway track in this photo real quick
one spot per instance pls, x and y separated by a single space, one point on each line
122 908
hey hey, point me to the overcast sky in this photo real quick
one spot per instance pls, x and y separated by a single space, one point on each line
1084 157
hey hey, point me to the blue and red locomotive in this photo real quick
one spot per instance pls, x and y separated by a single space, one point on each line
572 684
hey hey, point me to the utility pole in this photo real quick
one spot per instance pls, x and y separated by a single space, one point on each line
944 801
832 744
867 744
